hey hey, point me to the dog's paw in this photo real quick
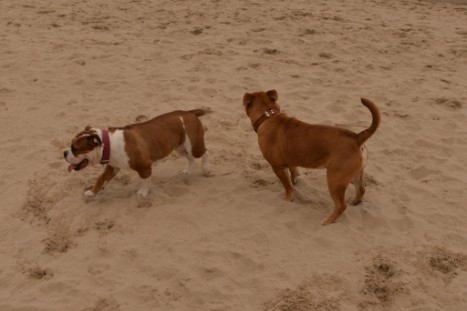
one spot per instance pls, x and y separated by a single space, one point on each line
185 171
143 192
289 196
328 220
355 201
89 194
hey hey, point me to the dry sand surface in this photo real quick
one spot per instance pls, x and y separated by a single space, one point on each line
229 242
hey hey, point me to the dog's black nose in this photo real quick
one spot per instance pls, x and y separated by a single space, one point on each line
65 153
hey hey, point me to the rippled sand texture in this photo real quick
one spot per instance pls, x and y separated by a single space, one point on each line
228 242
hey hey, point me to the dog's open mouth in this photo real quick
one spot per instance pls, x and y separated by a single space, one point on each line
78 166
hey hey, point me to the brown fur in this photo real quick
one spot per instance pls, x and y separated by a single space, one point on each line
85 141
147 142
287 143
166 133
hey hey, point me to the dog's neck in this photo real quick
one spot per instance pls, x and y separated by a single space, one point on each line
266 115
105 147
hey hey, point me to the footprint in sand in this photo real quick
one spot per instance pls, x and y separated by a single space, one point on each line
381 283
318 293
446 262
104 304
34 272
104 226
144 202
452 104
58 242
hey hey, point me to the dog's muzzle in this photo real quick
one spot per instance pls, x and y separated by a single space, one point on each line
82 164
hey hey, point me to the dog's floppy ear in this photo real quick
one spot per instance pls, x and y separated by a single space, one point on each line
272 95
93 140
247 99
87 127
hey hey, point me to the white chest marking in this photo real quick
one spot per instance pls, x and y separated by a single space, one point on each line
118 156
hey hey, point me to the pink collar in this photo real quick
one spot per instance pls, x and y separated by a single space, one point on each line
106 152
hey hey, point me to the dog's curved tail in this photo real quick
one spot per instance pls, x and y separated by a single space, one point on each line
200 112
364 135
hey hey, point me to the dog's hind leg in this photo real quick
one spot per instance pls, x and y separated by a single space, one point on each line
337 194
185 151
193 147
199 151
205 164
190 154
359 188
337 184
294 174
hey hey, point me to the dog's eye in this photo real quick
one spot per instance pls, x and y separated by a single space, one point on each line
73 149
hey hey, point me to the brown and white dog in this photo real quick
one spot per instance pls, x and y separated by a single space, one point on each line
287 143
138 146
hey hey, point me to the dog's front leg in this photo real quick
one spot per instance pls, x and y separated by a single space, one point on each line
145 174
104 178
283 175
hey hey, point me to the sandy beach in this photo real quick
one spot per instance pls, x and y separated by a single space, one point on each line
229 242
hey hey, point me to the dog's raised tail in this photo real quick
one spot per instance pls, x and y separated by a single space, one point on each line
364 135
201 111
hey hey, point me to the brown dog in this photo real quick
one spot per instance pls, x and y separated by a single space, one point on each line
287 143
138 146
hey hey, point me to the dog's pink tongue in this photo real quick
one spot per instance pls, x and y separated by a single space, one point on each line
71 167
